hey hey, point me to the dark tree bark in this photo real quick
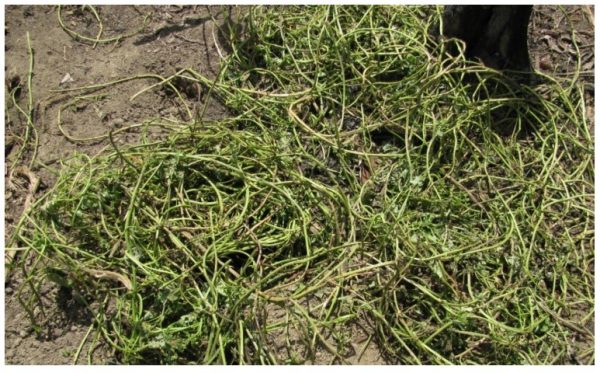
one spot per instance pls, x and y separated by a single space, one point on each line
496 34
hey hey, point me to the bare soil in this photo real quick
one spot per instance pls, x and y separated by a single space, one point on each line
174 37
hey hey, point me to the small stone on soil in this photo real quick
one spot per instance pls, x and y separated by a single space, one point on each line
118 122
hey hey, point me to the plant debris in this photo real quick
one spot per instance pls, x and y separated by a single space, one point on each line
361 179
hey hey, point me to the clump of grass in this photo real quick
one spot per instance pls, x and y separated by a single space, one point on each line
361 181
192 223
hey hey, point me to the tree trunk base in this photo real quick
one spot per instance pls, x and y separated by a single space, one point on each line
495 34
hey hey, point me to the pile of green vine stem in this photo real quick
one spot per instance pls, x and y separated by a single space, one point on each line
366 184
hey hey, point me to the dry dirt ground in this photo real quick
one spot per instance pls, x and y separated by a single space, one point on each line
172 38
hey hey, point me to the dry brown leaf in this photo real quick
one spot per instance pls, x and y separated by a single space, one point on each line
111 276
